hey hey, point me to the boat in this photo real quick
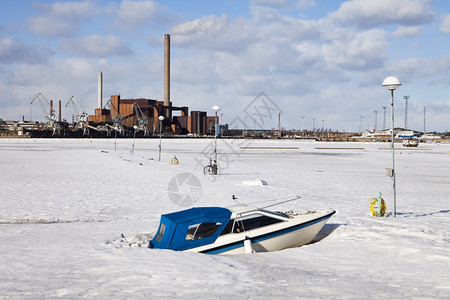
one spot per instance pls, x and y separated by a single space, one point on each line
407 134
410 143
430 137
237 229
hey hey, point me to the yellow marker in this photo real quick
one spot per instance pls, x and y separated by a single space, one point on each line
377 206
174 161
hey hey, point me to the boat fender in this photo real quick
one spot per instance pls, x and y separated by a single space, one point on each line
377 209
248 245
174 161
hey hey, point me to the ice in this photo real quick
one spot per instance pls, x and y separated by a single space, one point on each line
64 204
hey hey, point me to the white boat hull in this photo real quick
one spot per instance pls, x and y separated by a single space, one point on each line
300 230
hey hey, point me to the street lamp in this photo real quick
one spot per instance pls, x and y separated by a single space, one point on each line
115 138
160 118
245 126
134 137
215 108
392 83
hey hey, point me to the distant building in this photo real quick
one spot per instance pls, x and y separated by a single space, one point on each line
198 123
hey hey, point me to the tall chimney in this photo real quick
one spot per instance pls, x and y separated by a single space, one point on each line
59 114
167 72
51 107
100 90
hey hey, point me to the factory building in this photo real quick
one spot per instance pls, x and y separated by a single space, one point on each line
129 111
198 123
128 116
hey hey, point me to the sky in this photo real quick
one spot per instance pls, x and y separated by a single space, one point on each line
321 63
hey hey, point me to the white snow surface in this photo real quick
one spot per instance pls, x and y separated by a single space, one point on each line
64 204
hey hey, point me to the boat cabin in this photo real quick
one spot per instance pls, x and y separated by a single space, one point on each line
201 226
190 228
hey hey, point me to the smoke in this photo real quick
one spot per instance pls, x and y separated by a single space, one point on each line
202 25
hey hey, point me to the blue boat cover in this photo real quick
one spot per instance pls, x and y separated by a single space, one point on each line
190 228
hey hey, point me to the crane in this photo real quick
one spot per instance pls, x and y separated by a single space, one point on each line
49 113
117 120
81 116
142 121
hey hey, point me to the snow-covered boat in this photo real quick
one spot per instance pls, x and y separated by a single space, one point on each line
237 229
410 143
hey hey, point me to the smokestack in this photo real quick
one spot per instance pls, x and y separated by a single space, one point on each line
59 115
100 90
167 72
51 107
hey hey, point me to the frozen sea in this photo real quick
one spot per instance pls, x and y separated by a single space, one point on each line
64 204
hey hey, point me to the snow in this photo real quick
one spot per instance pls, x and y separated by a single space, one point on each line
64 204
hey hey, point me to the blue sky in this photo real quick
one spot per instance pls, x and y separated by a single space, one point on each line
320 61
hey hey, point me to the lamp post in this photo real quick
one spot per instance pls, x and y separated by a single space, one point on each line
361 118
392 83
376 119
406 111
424 114
134 138
245 121
216 109
160 118
115 138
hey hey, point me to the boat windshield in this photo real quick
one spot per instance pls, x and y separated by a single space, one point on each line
249 222
202 230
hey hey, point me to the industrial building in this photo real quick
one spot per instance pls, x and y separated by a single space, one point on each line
130 110
126 116
145 112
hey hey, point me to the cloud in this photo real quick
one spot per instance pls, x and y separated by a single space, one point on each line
439 108
61 78
372 13
293 60
202 25
214 33
283 4
272 43
445 25
306 3
61 18
408 31
274 3
317 67
414 68
69 9
266 27
132 14
422 72
51 26
13 51
95 46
